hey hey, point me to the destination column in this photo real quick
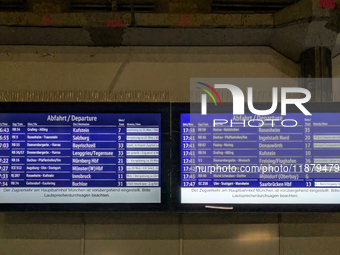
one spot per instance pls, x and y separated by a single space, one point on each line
94 155
281 151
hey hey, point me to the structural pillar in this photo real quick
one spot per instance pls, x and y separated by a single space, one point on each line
316 62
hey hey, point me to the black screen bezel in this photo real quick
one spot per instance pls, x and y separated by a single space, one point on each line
162 108
178 108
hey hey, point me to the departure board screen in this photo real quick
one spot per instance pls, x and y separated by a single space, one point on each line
80 158
252 159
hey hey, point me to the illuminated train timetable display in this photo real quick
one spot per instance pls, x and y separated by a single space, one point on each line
80 158
251 159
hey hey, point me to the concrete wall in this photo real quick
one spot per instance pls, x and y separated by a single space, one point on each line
169 234
154 233
135 68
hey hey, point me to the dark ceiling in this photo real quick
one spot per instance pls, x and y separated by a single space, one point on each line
217 6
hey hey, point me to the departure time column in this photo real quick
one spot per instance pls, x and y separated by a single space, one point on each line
4 154
189 150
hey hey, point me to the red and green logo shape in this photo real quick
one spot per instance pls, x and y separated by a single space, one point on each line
209 93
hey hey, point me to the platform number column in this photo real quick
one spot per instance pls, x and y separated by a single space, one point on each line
121 154
308 151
